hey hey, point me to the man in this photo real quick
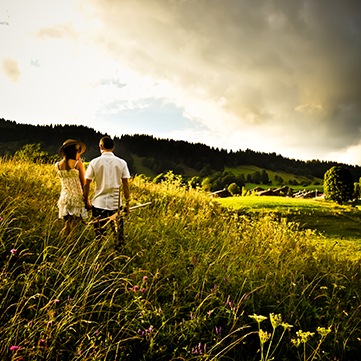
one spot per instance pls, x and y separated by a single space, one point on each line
108 172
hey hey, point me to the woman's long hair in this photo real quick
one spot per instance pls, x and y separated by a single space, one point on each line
70 152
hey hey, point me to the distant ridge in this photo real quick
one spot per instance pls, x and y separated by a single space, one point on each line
158 154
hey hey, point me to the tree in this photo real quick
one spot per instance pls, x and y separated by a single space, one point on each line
338 185
234 189
256 177
264 177
33 153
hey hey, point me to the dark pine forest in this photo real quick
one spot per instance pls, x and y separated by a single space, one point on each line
160 155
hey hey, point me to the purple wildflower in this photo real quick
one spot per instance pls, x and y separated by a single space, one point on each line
50 323
56 301
209 313
1 218
191 316
145 278
136 288
14 251
143 290
160 310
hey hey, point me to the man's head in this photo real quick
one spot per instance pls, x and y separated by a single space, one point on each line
106 144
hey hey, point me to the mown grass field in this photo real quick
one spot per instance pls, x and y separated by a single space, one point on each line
195 280
334 222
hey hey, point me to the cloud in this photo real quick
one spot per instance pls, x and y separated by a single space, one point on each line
10 68
56 31
274 66
35 63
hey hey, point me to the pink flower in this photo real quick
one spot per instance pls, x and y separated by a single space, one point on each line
14 251
145 278
42 343
15 348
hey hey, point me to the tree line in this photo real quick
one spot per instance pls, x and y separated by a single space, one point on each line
160 155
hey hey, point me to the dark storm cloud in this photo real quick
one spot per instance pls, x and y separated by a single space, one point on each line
281 65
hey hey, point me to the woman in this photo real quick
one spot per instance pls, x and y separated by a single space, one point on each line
71 173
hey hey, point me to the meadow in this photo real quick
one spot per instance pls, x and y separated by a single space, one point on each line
195 281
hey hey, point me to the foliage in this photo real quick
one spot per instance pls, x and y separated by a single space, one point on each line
190 275
33 153
338 185
162 154
234 189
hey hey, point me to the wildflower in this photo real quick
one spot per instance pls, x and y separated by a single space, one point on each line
145 278
15 348
229 278
323 331
160 310
191 316
96 333
42 343
264 336
224 279
50 323
1 218
143 290
209 313
276 320
149 330
14 251
218 330
194 260
56 301
258 318
286 325
69 299
136 288
304 336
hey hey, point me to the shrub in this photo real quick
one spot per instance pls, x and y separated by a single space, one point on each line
234 189
338 185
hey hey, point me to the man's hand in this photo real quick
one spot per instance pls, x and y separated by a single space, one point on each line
127 209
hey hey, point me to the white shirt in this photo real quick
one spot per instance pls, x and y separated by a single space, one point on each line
107 171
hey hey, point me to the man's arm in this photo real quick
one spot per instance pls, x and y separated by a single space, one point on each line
86 193
126 192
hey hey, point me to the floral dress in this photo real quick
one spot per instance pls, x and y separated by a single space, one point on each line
71 200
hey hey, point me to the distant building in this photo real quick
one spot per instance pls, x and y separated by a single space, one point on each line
221 194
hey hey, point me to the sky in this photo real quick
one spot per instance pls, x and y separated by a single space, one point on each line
279 76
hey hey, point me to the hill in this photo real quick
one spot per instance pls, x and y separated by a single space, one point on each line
159 155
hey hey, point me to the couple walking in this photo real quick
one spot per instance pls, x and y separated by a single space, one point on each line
107 171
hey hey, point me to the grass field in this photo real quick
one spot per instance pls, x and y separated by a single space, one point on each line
331 220
194 281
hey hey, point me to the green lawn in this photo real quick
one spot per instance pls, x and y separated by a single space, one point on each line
335 222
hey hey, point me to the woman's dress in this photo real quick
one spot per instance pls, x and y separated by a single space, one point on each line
71 200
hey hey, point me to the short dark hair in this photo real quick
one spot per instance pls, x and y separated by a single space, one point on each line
107 143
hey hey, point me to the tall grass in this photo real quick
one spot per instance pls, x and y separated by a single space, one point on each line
184 287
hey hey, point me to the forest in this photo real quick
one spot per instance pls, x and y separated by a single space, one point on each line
160 155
